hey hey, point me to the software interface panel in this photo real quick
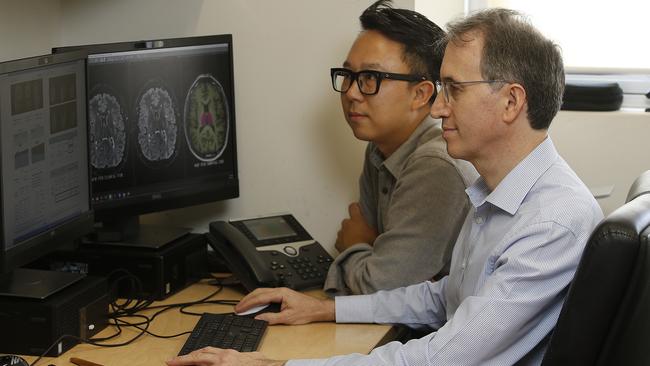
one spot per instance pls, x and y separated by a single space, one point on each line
44 165
157 117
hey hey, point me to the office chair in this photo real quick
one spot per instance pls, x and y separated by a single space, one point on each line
605 319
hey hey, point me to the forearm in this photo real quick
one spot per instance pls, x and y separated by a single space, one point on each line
273 363
328 311
416 305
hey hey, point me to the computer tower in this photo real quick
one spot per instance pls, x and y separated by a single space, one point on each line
160 271
30 326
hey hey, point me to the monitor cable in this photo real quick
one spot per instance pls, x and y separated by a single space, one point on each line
132 308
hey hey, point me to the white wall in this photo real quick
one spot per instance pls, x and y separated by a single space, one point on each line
608 150
28 27
440 11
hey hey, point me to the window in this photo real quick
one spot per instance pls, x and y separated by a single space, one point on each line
600 40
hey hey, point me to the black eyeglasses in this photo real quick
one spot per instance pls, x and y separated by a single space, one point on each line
367 80
450 88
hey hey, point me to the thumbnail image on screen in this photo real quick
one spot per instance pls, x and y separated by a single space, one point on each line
107 125
206 118
157 123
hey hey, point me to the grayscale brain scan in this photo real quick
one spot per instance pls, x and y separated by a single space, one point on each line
107 131
157 124
206 118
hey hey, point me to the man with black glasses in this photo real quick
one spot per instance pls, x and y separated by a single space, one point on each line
412 200
530 217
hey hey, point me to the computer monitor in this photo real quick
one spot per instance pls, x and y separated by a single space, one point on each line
161 117
45 184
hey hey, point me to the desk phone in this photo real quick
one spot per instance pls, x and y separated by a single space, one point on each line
271 251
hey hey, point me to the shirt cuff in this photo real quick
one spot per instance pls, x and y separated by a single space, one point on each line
354 309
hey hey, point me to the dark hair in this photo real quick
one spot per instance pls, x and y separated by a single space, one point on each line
515 51
419 36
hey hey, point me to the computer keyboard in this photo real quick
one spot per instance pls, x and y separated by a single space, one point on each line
236 332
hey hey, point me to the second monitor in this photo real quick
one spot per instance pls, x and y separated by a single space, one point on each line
161 119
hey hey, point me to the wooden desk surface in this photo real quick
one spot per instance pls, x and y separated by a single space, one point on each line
315 340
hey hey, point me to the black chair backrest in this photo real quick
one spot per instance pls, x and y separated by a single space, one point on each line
605 319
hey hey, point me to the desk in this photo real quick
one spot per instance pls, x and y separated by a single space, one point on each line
315 340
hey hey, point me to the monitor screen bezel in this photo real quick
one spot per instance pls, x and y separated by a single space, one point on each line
109 210
68 231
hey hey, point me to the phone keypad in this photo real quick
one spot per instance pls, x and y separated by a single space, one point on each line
304 271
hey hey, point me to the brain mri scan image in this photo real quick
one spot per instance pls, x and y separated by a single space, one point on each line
157 124
107 130
206 118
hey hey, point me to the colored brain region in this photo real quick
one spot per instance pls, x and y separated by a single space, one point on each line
206 118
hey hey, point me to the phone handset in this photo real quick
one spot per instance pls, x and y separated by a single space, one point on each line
246 251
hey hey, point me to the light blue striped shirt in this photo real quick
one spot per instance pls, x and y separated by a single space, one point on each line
511 267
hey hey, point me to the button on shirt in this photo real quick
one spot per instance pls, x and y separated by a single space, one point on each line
515 256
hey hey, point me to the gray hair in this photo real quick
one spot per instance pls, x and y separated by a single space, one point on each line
515 51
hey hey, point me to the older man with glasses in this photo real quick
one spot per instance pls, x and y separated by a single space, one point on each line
412 200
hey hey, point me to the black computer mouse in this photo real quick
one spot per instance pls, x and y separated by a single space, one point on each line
11 360
273 307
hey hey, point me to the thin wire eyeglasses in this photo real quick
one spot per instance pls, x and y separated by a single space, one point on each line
368 81
443 86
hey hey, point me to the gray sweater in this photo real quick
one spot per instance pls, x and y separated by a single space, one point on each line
416 201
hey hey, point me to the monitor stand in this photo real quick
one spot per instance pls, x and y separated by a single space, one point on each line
35 283
127 231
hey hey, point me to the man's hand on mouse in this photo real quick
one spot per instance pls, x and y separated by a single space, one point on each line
296 308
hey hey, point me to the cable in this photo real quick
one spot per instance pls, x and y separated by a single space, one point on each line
153 334
132 308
